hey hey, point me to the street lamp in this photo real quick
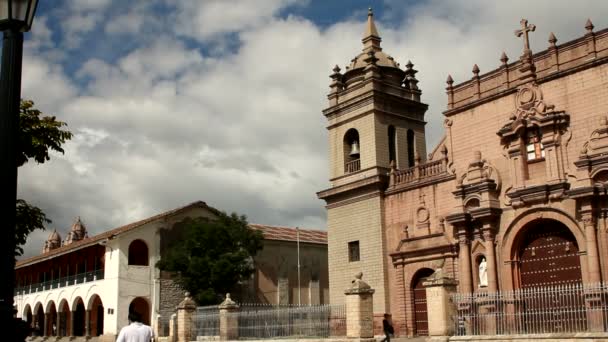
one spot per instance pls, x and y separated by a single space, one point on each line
16 17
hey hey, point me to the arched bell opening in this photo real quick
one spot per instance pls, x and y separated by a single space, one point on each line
352 151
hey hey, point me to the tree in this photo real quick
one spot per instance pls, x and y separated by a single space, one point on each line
212 256
38 136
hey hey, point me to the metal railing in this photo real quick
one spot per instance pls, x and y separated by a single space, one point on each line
60 282
268 321
567 308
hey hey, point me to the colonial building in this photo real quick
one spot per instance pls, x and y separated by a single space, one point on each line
513 196
86 286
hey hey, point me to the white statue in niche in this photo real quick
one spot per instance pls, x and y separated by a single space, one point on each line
483 273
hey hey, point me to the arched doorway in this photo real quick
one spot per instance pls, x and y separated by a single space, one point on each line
96 318
51 327
64 319
27 315
548 261
79 316
37 329
548 255
421 325
140 305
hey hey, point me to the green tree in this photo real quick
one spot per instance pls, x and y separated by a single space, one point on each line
212 256
39 135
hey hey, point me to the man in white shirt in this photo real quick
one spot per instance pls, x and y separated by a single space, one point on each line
136 331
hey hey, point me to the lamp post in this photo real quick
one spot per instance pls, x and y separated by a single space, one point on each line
16 17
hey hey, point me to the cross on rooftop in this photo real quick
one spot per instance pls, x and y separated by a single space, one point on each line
525 28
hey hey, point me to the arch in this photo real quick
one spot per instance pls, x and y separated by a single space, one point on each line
599 175
141 306
38 324
514 236
351 149
51 326
411 159
421 327
27 314
138 253
64 318
78 310
392 144
96 319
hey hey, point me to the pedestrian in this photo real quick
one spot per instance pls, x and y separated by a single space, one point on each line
388 328
136 331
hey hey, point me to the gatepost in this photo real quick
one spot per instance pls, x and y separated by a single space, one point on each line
229 323
440 307
185 314
359 310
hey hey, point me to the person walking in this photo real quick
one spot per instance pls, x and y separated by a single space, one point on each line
388 328
136 331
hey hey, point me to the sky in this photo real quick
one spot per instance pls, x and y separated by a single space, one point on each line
174 101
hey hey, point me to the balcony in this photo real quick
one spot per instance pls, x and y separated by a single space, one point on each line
61 282
352 166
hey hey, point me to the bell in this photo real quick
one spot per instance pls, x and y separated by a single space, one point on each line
354 149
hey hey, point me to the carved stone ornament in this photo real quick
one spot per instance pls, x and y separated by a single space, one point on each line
359 286
228 303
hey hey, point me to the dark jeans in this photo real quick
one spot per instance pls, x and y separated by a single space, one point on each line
387 337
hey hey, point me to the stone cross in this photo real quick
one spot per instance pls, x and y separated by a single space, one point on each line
525 28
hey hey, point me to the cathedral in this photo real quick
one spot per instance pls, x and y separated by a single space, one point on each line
512 197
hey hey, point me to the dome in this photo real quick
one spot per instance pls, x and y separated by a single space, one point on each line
371 42
78 227
54 238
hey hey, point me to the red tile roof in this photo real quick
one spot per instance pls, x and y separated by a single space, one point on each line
290 234
109 234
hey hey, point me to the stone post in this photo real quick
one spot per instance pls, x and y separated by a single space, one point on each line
440 307
229 323
173 328
185 313
359 310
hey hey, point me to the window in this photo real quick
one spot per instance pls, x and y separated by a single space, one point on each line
391 144
410 148
138 253
353 251
534 147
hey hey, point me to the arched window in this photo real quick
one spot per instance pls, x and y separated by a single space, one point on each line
410 148
352 161
138 253
392 147
534 147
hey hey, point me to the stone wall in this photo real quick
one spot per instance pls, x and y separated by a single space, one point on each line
171 294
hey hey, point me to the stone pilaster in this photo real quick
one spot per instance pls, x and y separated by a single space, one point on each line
185 313
359 309
173 328
464 261
488 237
399 314
440 307
229 323
593 261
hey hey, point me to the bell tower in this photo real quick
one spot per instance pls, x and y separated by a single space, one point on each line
375 118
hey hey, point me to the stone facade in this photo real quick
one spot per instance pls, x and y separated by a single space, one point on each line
535 163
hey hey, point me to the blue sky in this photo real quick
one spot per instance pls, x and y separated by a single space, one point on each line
173 101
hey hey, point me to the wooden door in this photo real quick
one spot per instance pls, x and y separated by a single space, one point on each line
421 322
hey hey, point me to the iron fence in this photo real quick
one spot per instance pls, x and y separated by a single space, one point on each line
556 309
260 321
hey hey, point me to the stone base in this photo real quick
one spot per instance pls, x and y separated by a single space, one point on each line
575 337
107 338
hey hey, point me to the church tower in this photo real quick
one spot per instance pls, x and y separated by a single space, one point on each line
375 118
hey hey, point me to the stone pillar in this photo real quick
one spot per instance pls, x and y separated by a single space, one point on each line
464 261
593 261
229 322
185 313
72 316
440 308
158 326
359 309
399 316
488 237
47 325
87 323
59 325
173 328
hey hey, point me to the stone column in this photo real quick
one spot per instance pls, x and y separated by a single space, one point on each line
47 325
464 262
158 327
72 316
185 313
593 261
359 309
229 322
173 328
440 307
59 316
87 323
488 237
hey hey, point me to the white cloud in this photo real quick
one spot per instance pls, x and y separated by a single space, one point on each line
169 122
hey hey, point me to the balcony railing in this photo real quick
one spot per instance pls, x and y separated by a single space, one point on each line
60 282
352 166
419 172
